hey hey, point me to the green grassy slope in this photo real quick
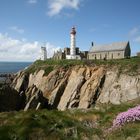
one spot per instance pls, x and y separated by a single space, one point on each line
131 65
71 125
74 124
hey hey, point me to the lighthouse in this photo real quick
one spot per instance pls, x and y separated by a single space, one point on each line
73 42
73 54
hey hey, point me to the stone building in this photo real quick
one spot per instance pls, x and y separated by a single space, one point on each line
43 53
138 54
66 52
110 51
59 55
73 52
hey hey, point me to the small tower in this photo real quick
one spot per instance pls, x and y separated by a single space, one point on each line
43 53
73 42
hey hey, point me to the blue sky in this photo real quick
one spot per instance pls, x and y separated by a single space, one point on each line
26 24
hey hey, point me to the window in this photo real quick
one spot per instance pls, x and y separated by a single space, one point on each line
118 54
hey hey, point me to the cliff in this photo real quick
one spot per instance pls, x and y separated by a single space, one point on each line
93 93
78 85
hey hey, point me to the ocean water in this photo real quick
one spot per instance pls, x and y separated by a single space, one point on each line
13 67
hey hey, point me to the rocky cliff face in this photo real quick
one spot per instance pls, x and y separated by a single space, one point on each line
10 100
76 87
119 88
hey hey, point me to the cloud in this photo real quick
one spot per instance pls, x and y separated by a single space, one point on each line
134 31
134 34
21 50
56 6
17 29
137 39
32 1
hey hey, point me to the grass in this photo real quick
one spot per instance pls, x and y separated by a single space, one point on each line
46 124
131 66
76 124
70 124
130 130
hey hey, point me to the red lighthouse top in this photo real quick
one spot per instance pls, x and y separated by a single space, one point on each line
73 31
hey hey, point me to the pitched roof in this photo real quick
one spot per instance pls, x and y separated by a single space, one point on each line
109 47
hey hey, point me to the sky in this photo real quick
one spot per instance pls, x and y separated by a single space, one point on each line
26 25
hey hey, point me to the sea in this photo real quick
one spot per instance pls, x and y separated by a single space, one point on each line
13 67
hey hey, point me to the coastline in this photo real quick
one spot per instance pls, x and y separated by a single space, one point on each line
13 67
9 69
6 78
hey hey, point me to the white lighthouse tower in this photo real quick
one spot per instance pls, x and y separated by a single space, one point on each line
43 53
73 54
73 42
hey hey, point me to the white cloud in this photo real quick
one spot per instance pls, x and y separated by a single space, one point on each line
32 1
134 31
17 29
134 34
137 39
21 50
56 6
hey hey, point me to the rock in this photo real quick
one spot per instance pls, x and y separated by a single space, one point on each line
38 106
77 87
131 138
9 99
91 88
119 89
75 82
90 123
95 137
36 79
6 78
46 83
20 82
71 132
82 88
56 94
36 99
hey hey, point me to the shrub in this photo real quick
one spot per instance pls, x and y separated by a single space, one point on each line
132 115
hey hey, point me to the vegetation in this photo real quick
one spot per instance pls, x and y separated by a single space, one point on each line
74 124
131 66
71 125
50 125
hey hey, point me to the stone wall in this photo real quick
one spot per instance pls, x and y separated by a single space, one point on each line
106 55
59 56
